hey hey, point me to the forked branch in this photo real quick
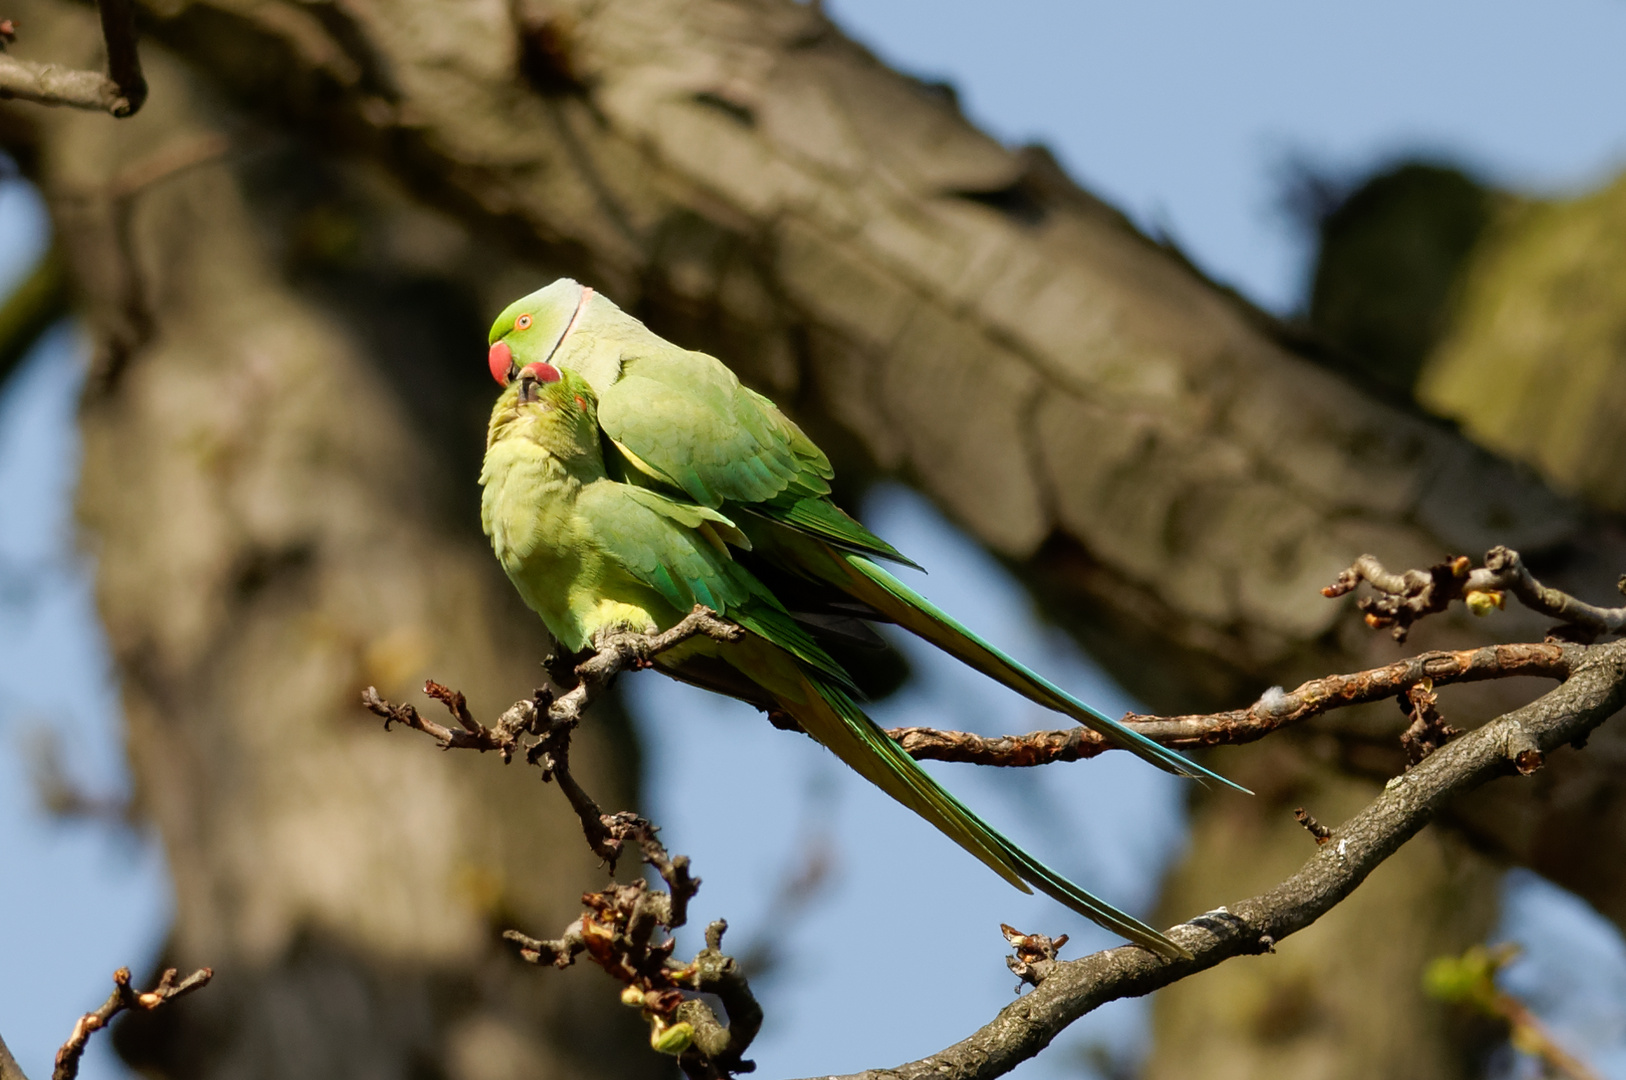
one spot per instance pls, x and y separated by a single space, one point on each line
624 930
618 932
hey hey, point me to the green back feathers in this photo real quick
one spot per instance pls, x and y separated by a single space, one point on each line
683 415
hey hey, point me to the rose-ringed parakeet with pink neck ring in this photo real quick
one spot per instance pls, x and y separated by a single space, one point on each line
627 479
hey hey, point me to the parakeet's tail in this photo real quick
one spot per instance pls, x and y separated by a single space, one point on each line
898 602
832 718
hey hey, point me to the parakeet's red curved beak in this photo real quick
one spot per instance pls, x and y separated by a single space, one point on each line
541 371
501 362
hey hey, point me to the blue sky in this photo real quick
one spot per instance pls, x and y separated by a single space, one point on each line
1185 115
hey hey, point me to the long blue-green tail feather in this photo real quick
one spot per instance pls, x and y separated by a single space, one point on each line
915 613
853 737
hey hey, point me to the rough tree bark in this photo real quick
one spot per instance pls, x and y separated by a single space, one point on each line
279 257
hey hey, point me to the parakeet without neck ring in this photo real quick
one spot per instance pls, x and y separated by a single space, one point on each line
627 479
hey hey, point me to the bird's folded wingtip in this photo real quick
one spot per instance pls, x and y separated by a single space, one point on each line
1210 778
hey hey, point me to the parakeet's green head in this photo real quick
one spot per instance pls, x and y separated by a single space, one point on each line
549 406
530 329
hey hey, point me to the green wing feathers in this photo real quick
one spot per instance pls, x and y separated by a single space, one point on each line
831 717
818 517
898 602
665 544
680 550
687 420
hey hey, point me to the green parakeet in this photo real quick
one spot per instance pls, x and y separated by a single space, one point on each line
627 479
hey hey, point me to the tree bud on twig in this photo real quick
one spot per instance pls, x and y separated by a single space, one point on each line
670 1038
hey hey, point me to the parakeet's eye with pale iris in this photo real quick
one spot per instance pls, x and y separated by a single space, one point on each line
522 323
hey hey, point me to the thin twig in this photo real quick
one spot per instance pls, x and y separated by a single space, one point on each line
124 997
1321 833
122 92
1275 710
1402 599
619 932
1595 690
1505 569
619 935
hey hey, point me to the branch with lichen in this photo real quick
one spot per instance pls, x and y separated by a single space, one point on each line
625 929
121 90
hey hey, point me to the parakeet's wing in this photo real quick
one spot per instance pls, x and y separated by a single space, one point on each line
817 516
685 420
681 551
678 548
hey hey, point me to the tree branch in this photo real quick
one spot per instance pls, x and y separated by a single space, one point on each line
124 997
1403 599
1069 989
121 92
1275 710
618 933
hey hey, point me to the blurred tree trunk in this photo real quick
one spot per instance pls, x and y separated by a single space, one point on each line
286 259
278 493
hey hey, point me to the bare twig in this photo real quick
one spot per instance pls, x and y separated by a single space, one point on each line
803 883
121 92
1404 598
619 932
1276 709
1321 833
1034 954
1594 691
1505 569
1428 730
124 997
51 84
61 796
